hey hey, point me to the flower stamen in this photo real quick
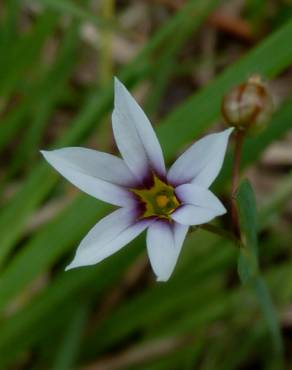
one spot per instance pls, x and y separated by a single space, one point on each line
159 200
162 200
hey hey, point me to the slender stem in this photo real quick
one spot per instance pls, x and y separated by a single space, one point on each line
235 178
218 231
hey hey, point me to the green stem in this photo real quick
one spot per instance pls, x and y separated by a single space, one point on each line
239 137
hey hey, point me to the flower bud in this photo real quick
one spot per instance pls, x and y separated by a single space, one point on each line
248 106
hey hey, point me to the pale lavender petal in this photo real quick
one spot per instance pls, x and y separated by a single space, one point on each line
108 236
164 243
188 214
98 174
135 136
200 197
201 163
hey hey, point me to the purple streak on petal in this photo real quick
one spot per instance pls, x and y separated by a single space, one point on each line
164 242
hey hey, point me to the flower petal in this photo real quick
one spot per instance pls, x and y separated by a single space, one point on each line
135 136
202 162
98 174
200 197
108 236
192 215
164 243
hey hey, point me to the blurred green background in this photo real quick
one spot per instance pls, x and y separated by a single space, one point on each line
57 62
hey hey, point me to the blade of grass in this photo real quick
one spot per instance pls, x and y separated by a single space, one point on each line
24 53
50 93
67 353
36 257
13 336
8 28
198 12
37 92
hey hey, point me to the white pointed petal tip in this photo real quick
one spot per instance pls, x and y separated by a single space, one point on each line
229 130
50 156
163 279
117 82
71 266
74 264
119 88
222 210
44 153
219 207
164 243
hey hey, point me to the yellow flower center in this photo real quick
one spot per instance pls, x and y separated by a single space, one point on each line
162 200
159 200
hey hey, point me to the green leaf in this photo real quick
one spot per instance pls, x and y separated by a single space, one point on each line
8 28
265 301
29 324
68 351
36 257
43 105
24 53
248 266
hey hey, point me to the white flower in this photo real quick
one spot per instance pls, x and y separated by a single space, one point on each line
164 203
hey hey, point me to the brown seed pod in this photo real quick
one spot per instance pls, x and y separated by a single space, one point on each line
248 106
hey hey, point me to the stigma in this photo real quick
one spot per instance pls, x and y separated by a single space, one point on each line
159 200
162 200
